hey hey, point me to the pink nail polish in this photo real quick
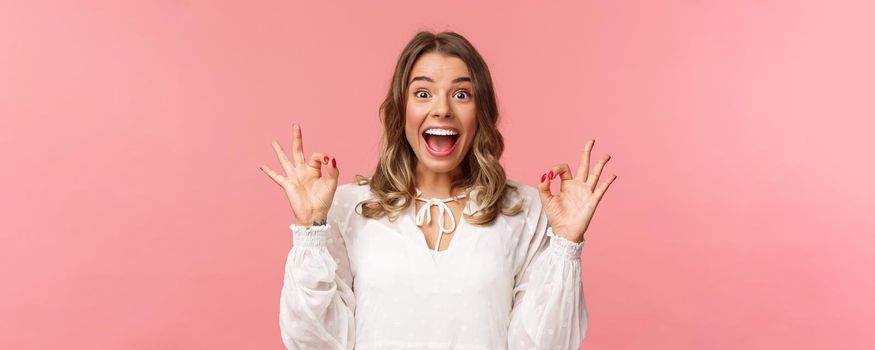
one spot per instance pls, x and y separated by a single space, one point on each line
333 162
325 159
551 175
543 177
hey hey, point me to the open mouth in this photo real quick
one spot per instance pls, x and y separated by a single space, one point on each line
440 142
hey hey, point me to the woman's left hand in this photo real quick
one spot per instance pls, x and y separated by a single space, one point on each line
570 211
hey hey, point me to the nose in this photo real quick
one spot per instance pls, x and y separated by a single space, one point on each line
441 107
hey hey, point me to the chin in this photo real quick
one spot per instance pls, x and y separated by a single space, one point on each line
439 166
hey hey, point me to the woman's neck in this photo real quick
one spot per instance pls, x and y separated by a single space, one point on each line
434 184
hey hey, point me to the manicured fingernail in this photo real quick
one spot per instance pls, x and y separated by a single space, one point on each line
551 175
325 159
333 162
543 177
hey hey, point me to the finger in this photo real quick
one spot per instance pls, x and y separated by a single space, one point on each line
599 192
584 161
317 160
272 174
562 171
593 177
297 145
333 173
544 189
281 154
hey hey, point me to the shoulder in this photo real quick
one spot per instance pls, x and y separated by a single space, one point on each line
526 193
351 193
532 215
346 198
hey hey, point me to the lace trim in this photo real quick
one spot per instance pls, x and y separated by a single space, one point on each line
310 236
563 247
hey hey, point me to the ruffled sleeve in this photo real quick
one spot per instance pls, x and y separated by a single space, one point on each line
549 309
317 303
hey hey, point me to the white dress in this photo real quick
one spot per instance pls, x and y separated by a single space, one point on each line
374 284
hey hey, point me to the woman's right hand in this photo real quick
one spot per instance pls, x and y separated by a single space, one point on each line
309 193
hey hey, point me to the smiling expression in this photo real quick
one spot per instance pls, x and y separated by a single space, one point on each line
441 115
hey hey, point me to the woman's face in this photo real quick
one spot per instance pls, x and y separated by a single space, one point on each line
441 116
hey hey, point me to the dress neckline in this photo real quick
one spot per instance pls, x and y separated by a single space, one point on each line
418 217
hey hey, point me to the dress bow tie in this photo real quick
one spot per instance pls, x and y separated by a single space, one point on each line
424 215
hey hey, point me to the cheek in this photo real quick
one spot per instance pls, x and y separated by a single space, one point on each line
415 113
412 122
469 122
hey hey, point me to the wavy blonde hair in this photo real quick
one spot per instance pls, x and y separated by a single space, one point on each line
393 182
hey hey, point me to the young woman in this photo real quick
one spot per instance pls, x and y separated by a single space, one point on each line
498 264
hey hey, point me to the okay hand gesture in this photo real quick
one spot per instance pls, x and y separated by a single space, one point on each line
309 192
570 212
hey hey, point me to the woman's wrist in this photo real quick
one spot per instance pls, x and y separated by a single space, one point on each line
317 218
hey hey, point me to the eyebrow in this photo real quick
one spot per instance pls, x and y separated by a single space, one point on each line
422 77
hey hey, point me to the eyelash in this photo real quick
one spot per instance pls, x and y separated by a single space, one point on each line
464 91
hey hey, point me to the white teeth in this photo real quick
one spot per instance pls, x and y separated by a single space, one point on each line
441 132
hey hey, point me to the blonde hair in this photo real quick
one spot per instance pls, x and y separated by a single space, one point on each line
393 184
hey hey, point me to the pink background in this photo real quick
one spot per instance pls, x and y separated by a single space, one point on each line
134 215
